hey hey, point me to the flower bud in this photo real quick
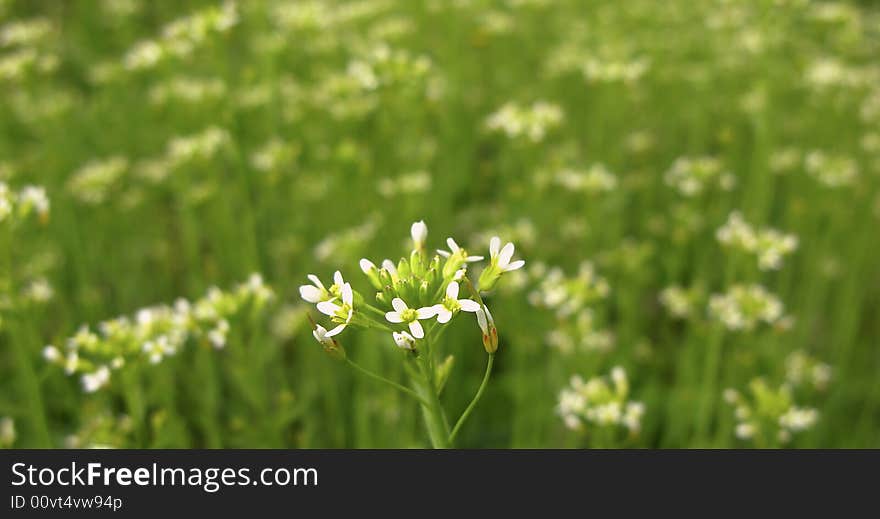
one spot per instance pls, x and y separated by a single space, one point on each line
419 233
369 269
487 326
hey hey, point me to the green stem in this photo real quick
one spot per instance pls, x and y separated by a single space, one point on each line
710 381
470 407
432 411
391 383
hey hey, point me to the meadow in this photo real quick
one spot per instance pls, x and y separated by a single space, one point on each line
693 185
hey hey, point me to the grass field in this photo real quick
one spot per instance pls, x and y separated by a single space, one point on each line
693 185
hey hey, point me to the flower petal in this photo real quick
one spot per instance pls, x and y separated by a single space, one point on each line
444 316
314 279
494 246
336 331
518 264
398 304
452 290
443 253
469 305
337 278
328 308
471 259
347 294
505 255
481 320
426 312
393 317
310 293
416 328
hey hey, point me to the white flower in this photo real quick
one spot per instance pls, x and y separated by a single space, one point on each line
455 249
51 353
320 334
317 293
452 304
404 314
314 293
404 340
94 381
419 233
340 313
501 257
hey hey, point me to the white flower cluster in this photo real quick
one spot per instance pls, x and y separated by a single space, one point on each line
827 72
94 181
532 122
567 295
384 66
187 90
274 155
743 307
28 48
692 176
595 179
25 32
180 37
831 170
18 206
155 332
419 288
804 369
183 150
406 184
347 243
770 415
355 91
7 432
580 334
614 71
600 402
770 245
679 301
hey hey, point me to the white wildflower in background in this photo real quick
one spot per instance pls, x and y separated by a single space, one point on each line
187 90
691 176
769 245
94 181
681 302
595 179
179 38
768 416
155 333
406 184
532 122
744 307
25 33
580 334
7 432
612 71
16 207
802 369
568 295
600 402
831 170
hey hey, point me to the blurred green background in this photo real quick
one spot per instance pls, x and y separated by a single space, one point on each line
693 184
